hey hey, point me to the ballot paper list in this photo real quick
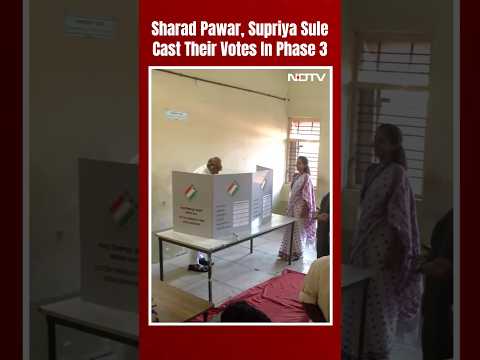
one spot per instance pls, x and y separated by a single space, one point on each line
221 217
241 213
267 206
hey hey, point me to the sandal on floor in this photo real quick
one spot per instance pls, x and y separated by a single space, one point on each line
205 262
197 268
285 257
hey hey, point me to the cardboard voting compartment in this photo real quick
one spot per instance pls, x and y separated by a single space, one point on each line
232 203
215 206
211 205
262 188
109 233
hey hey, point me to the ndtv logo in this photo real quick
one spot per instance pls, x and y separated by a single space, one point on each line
303 77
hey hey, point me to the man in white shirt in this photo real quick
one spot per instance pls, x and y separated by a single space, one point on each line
197 260
315 295
213 167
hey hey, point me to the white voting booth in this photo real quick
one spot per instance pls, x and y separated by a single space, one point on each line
216 206
262 188
108 199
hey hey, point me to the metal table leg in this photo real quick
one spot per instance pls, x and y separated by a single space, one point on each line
53 321
52 341
291 245
160 255
209 255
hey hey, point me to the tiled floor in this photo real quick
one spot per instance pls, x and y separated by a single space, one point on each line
403 352
407 346
235 269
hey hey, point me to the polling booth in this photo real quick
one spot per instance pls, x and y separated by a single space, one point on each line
216 206
212 213
262 188
108 215
101 321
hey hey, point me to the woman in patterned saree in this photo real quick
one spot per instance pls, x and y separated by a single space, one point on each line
301 204
386 241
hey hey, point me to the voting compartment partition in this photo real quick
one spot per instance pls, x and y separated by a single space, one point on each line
219 206
262 188
108 199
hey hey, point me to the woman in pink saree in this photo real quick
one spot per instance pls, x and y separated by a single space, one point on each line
386 241
301 205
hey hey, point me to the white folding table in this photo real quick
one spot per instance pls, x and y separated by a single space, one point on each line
75 313
210 246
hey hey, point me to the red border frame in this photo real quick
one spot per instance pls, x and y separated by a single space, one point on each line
229 342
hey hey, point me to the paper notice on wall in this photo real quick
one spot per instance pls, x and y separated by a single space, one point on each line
176 115
93 27
241 213
221 219
267 205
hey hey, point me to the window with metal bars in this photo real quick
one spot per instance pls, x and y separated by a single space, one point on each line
391 85
303 140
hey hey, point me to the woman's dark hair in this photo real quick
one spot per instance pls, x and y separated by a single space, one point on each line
394 135
304 160
241 311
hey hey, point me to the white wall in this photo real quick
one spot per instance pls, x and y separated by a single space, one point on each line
83 103
83 96
433 18
242 128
